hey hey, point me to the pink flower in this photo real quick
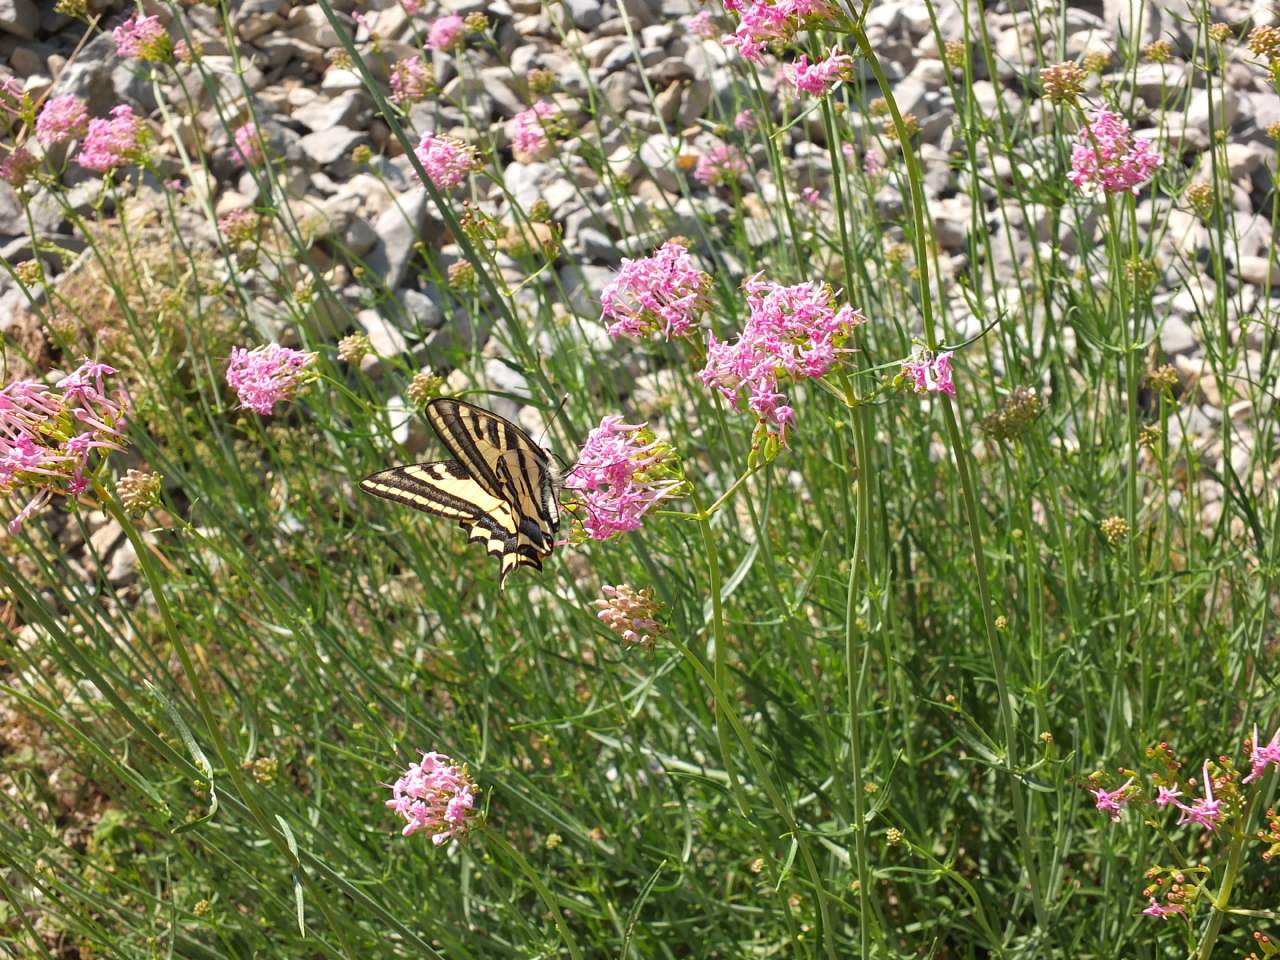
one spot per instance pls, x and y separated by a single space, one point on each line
434 794
17 166
720 167
1168 795
410 6
1105 156
266 375
663 293
182 52
61 119
1112 802
47 438
701 25
446 161
621 472
629 613
110 143
1163 911
247 150
1205 811
765 22
529 128
872 163
1262 756
142 37
745 121
410 81
818 78
791 333
446 32
810 196
929 372
239 226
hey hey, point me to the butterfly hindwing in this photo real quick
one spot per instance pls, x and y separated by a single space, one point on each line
501 489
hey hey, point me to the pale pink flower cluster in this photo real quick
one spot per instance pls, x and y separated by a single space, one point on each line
1262 755
1111 802
142 37
434 794
663 293
745 121
929 372
529 128
629 613
17 166
1163 910
247 150
873 163
1205 810
410 81
1107 158
110 143
446 32
620 474
791 333
239 226
446 161
819 77
61 119
47 437
701 24
721 166
266 375
762 22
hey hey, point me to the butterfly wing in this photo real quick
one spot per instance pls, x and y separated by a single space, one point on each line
447 489
510 466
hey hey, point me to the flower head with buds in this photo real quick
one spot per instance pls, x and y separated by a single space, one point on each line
630 614
622 471
17 166
1063 82
446 161
411 81
721 166
61 119
1107 158
267 375
819 77
447 32
111 143
142 37
48 437
139 491
663 293
929 372
435 794
424 387
791 333
532 129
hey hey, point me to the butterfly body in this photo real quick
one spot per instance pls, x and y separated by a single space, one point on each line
501 488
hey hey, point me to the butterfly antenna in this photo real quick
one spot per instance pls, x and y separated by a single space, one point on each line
555 416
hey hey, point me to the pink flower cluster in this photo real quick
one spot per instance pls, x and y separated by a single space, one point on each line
1205 810
1163 910
446 161
266 375
791 333
664 292
61 119
721 166
142 37
929 372
111 143
446 32
529 128
47 437
745 121
1262 755
818 78
410 81
762 22
621 472
1107 158
701 24
247 150
17 166
1111 802
434 794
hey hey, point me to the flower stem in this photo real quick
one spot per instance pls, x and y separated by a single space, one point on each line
516 857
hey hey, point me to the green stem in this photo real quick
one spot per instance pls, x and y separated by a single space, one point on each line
516 857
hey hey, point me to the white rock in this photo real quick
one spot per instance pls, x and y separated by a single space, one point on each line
1225 104
19 17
